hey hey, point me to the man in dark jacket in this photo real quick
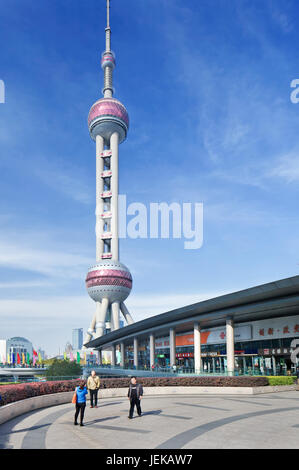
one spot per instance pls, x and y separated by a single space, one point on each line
135 393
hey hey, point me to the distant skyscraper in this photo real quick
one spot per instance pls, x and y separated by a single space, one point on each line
77 341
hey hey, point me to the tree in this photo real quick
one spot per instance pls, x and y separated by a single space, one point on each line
63 368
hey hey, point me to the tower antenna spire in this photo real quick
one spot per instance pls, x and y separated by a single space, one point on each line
108 13
108 59
108 29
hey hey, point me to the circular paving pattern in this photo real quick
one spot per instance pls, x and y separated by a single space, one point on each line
168 422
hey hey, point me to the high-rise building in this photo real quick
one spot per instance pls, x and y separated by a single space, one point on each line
77 338
109 282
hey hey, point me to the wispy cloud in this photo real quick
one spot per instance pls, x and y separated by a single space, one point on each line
287 168
68 181
22 255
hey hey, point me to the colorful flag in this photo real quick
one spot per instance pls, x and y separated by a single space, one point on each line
18 358
34 357
28 358
23 358
71 356
39 357
64 356
78 357
85 358
8 358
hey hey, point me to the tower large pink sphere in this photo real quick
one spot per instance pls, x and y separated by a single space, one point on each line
109 279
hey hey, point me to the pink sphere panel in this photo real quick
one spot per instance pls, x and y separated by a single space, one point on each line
108 107
109 277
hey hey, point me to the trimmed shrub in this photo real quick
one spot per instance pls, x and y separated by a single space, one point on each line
204 381
282 380
16 392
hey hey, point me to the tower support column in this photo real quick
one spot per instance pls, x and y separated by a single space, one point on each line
99 200
101 316
126 314
114 142
115 315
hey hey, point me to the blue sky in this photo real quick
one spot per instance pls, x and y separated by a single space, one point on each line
207 88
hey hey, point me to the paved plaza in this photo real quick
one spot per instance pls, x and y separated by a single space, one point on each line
168 422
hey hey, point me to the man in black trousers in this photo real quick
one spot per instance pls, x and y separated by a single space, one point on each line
135 393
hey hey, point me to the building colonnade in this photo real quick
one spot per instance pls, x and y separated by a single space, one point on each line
230 348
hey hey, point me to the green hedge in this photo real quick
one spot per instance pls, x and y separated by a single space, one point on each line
282 380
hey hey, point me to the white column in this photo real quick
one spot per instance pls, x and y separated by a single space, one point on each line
197 348
122 354
152 350
274 365
230 346
126 314
101 317
90 331
114 141
100 358
172 346
115 315
99 200
136 352
113 355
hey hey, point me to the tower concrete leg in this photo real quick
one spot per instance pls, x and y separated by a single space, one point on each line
100 317
115 315
126 314
91 330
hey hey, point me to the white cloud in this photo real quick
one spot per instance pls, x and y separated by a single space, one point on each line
47 262
67 181
287 168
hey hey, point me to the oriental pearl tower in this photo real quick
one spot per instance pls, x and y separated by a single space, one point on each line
108 282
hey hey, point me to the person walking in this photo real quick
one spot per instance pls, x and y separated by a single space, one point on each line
93 385
135 393
81 393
